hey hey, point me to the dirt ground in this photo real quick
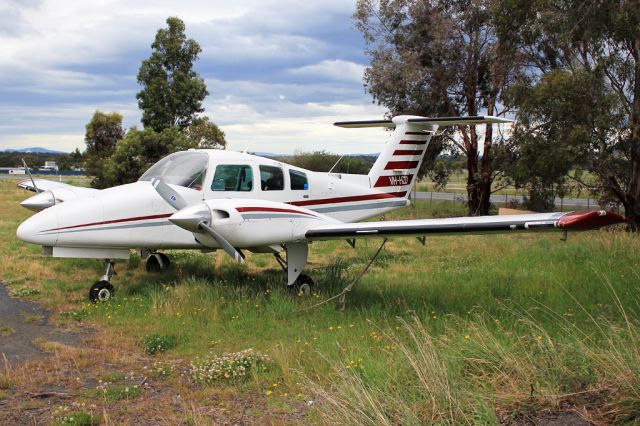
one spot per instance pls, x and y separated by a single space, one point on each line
49 373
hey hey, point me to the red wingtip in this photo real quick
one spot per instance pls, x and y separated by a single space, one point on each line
582 221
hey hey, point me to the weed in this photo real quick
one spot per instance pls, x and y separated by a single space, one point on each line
78 418
119 392
5 330
24 291
5 382
156 343
161 370
31 317
228 367
75 314
113 377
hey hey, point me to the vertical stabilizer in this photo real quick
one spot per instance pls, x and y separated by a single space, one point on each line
396 168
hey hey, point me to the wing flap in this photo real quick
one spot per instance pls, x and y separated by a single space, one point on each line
47 185
468 225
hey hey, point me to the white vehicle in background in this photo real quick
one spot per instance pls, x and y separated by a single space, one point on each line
214 199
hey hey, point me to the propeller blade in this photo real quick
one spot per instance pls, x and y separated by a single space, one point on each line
168 194
33 182
224 244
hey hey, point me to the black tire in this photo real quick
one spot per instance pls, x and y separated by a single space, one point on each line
153 262
101 291
165 260
303 284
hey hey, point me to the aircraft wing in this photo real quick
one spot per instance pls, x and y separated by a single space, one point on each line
47 185
571 221
50 192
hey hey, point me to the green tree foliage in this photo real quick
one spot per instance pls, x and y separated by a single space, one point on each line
172 92
564 117
71 161
102 134
596 45
323 161
140 149
171 97
441 57
203 133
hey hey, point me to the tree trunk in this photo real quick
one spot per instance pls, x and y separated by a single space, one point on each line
632 205
473 196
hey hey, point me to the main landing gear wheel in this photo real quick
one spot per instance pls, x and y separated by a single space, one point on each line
303 285
101 291
157 262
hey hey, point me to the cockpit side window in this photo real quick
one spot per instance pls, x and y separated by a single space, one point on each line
186 169
271 178
298 180
233 177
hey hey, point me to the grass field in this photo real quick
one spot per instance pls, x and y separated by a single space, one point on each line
457 183
475 329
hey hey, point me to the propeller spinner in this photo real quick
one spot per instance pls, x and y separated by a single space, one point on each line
196 218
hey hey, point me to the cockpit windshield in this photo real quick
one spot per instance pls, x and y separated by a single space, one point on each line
182 168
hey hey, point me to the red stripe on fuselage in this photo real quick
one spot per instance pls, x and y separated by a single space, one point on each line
410 142
367 197
407 152
392 165
107 222
270 209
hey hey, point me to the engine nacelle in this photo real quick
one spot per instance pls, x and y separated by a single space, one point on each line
250 223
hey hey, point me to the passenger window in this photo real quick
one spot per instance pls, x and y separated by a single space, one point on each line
298 180
271 178
232 177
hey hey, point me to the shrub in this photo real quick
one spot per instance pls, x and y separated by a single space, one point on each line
156 343
228 367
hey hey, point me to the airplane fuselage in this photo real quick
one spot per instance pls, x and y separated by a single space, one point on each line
135 216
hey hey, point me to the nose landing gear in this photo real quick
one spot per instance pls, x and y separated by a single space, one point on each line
102 291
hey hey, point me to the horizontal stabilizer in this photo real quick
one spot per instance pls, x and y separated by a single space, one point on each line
412 119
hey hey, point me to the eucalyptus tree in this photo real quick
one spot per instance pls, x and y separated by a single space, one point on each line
584 60
172 92
442 57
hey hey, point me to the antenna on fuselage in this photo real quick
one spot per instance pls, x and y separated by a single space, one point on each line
334 166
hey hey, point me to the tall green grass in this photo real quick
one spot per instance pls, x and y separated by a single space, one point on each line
462 330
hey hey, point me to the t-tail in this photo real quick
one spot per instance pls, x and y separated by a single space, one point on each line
396 168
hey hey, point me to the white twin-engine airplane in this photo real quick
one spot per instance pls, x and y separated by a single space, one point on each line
215 199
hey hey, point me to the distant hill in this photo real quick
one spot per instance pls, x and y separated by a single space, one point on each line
35 150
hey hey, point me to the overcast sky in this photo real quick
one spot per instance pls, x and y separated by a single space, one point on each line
279 72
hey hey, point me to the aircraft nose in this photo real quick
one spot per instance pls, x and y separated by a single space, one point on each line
39 229
39 201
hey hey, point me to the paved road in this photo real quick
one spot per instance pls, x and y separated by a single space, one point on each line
21 322
498 199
